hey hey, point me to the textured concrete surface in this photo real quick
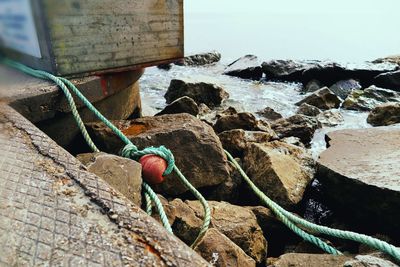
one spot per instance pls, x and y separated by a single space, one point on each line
54 213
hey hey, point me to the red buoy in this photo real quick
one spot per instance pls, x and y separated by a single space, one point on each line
153 168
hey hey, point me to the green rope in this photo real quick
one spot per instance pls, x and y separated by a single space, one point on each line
290 220
130 150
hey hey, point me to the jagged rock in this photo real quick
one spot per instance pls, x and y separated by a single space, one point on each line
389 80
363 165
330 118
219 250
235 141
241 120
369 98
310 260
323 98
201 59
270 114
369 261
201 92
298 125
384 115
391 59
239 224
280 170
344 87
313 86
287 70
181 105
247 67
122 174
193 143
277 234
308 110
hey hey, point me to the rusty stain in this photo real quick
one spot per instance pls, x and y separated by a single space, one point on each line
135 129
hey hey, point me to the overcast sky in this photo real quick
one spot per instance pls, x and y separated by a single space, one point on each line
352 30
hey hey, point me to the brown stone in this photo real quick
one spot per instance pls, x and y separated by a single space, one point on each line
123 174
241 120
308 110
219 250
384 115
310 260
181 105
280 170
269 114
363 166
323 98
197 150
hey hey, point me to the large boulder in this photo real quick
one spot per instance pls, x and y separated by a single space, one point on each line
181 105
122 174
201 59
298 125
389 80
247 67
241 120
310 260
201 92
237 140
384 115
308 110
219 250
344 87
280 170
323 98
197 149
239 224
286 70
359 177
369 98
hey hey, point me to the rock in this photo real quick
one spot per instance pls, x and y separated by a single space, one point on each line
219 250
313 86
298 125
389 80
207 93
201 59
181 105
310 260
369 261
197 150
344 87
293 141
308 110
363 165
384 115
270 114
165 66
235 141
241 120
286 70
237 223
330 118
247 67
323 98
280 170
122 174
369 98
391 59
277 234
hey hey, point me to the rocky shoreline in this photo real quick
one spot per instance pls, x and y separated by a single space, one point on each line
355 181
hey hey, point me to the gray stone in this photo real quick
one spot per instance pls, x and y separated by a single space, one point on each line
313 86
363 166
310 260
391 59
344 87
280 170
197 150
365 100
330 118
389 80
219 250
201 59
369 261
201 92
384 115
308 110
181 105
247 67
323 98
123 174
300 126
